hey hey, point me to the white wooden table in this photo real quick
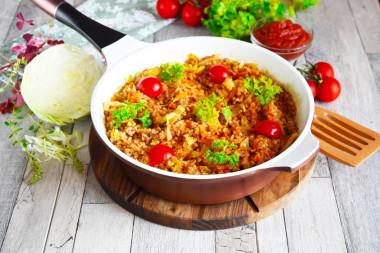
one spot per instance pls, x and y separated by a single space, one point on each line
338 211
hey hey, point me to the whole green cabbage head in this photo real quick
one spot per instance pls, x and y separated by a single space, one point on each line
58 83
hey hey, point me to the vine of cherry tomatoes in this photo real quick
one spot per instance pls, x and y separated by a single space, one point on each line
320 78
192 11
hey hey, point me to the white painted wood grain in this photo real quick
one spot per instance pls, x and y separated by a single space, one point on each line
12 168
356 189
29 225
321 168
94 193
374 60
64 222
239 239
179 29
312 220
358 200
271 234
8 10
367 19
30 12
104 228
149 237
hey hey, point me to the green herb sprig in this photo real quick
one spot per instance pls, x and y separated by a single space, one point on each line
221 157
14 73
207 113
234 18
263 88
53 143
30 155
171 72
130 111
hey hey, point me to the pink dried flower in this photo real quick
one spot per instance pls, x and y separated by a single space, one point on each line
20 23
8 105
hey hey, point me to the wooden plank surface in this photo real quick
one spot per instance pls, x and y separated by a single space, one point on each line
312 220
234 240
32 213
345 37
7 15
150 237
271 234
12 162
103 228
355 188
63 226
367 19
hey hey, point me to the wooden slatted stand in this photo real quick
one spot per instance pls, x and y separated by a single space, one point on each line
110 174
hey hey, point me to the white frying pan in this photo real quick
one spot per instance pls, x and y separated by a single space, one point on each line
126 55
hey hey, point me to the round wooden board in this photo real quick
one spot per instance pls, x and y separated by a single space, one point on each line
110 174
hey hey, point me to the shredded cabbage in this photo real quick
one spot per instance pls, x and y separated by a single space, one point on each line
57 144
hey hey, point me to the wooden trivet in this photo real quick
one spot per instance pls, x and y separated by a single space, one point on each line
109 171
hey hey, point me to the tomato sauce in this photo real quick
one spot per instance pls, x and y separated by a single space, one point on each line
282 34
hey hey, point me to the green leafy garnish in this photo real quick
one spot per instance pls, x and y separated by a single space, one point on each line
263 88
226 111
146 121
234 18
54 143
205 110
130 111
171 73
300 5
221 157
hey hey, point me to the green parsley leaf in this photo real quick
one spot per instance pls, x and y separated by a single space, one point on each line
130 111
171 73
221 157
263 88
205 110
226 111
220 143
234 18
146 121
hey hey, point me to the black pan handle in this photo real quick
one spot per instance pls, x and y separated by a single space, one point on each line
99 35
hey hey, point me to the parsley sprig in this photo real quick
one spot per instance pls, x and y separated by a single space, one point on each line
207 113
263 88
53 143
171 72
221 157
14 73
130 111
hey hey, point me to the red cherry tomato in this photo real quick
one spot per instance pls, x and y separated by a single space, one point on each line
313 87
268 128
150 86
192 15
204 3
329 89
324 70
218 73
159 154
168 8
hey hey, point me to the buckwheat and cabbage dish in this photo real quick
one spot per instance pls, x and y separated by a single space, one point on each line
208 115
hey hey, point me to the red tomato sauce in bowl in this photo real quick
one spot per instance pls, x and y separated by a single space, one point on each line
282 34
284 37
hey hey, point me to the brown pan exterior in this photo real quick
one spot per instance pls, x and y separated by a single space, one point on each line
202 191
181 189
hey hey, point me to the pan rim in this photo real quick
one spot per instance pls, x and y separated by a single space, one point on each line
266 165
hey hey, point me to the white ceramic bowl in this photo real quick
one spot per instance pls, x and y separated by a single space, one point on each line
128 56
